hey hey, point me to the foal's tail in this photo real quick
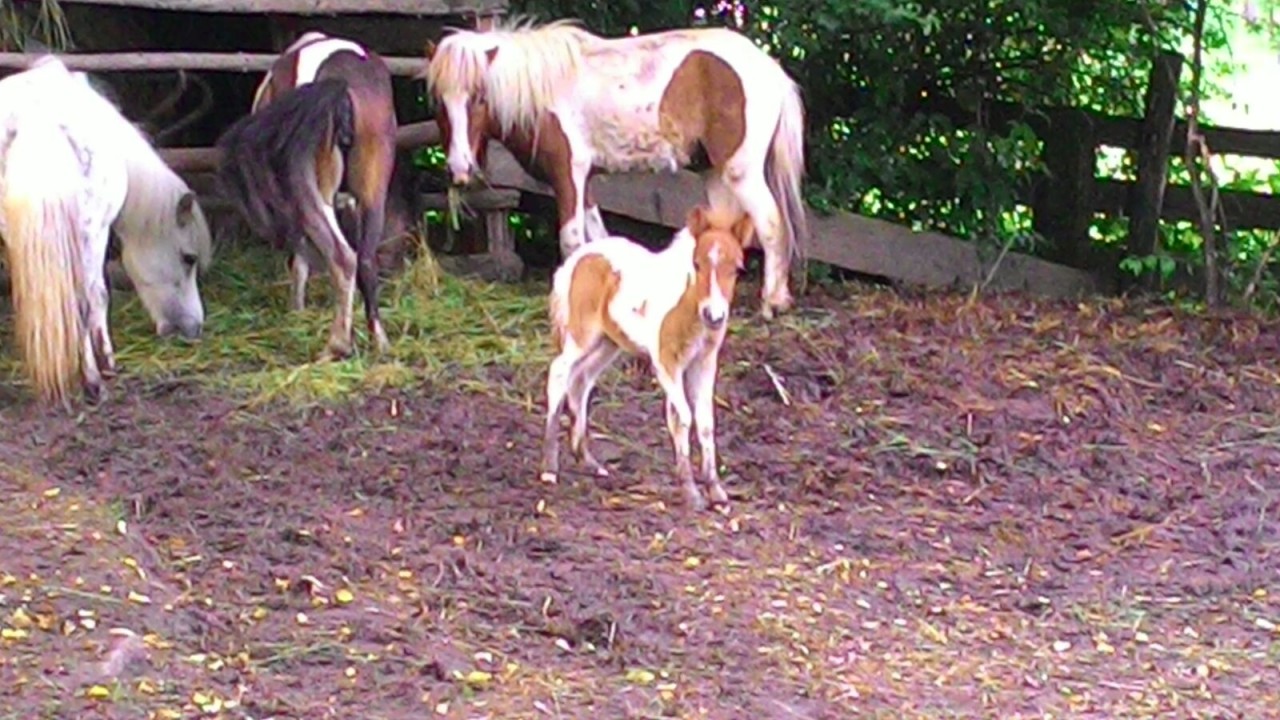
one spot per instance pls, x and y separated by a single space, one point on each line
270 157
43 237
785 169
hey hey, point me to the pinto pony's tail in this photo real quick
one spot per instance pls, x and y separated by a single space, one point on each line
44 242
785 170
270 157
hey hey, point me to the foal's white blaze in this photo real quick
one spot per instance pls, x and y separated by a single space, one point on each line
311 57
715 308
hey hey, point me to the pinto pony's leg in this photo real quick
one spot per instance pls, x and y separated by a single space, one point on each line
581 384
701 381
753 193
679 418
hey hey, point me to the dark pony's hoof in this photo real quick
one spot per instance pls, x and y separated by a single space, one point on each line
95 393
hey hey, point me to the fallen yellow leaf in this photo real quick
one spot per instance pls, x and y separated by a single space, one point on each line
97 692
344 596
640 676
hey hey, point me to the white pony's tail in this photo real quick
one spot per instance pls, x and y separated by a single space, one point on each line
43 239
785 170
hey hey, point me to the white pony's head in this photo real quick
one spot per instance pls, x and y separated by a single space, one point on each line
163 250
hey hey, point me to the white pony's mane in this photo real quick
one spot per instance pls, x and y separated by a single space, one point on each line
150 207
533 65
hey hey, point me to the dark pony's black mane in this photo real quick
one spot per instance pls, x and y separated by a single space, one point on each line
268 157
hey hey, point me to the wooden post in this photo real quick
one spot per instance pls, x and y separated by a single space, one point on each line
1063 205
1146 199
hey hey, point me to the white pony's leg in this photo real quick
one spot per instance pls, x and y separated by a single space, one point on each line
679 418
701 381
581 384
558 377
98 298
753 192
299 271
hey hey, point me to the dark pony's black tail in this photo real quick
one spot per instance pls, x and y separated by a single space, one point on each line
268 157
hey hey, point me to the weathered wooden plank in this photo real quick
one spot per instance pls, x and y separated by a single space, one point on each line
1244 210
207 62
857 243
481 200
421 8
204 159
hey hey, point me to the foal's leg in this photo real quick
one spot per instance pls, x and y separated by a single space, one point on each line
679 418
580 387
701 381
558 377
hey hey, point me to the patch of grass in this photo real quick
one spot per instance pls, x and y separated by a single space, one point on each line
441 327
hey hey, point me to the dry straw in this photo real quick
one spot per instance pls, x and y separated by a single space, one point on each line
442 328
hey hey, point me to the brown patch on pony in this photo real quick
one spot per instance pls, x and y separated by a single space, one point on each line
593 286
552 160
704 103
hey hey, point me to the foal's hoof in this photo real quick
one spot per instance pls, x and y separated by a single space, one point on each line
719 497
548 477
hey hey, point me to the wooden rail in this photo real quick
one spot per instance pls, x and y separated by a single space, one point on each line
419 8
201 61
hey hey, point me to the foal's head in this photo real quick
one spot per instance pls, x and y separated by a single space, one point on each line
719 236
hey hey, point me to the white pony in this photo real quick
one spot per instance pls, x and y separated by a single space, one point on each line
71 168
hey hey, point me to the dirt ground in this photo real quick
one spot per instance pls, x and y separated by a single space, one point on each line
992 509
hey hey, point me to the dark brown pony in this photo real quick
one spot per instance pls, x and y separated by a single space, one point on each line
323 121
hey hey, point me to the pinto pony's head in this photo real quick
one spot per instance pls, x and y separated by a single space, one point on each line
488 84
719 237
455 75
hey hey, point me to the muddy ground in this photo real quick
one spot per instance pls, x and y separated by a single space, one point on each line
992 509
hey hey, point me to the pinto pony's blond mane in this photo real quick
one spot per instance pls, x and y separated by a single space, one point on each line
520 68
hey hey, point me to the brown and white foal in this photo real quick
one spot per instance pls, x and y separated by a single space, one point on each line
614 295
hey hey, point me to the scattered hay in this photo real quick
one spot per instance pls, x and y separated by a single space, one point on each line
442 328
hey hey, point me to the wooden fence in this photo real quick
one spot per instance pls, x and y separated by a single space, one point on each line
1064 204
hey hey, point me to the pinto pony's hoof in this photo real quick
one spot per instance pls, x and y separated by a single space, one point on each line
694 499
548 477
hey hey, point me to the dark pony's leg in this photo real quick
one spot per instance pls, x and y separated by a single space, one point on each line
369 168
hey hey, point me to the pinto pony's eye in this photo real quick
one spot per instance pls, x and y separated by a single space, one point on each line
189 260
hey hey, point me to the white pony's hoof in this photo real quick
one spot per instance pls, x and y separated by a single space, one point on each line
549 478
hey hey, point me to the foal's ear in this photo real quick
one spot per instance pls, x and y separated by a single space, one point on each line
697 221
186 210
744 230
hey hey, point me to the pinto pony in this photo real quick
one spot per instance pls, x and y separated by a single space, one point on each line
72 168
613 295
323 120
569 103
